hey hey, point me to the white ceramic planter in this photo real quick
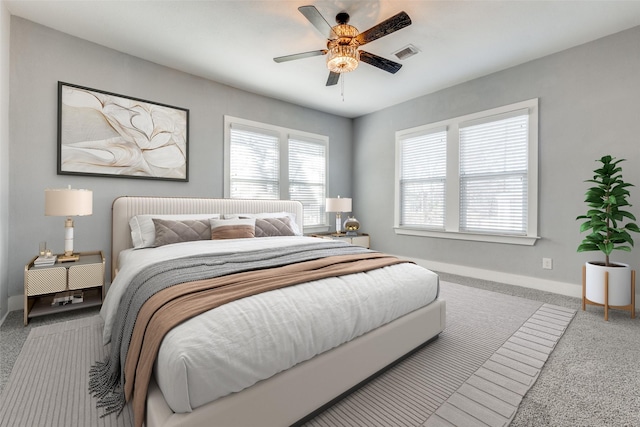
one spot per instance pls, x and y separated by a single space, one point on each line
619 284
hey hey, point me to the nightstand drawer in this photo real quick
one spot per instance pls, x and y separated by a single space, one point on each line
46 280
86 276
43 284
360 241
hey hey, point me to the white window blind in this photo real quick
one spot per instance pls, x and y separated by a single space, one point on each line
254 163
493 175
263 161
307 177
423 179
476 180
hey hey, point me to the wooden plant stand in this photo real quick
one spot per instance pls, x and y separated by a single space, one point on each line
630 307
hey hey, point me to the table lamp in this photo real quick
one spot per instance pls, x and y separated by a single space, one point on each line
338 205
68 202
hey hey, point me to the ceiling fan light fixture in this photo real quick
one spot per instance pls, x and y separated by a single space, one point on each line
343 42
343 58
345 30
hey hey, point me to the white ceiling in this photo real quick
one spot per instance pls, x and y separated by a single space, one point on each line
233 42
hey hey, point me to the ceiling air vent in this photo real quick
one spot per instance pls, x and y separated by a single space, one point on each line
406 52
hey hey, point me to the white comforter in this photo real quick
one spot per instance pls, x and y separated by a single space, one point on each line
238 344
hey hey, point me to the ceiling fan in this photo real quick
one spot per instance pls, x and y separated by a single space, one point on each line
343 42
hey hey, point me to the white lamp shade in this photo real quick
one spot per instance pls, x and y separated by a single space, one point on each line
339 204
68 202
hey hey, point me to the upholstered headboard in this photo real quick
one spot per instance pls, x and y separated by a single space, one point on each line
126 207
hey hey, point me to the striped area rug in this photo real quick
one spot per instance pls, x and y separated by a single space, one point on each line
476 373
49 381
491 396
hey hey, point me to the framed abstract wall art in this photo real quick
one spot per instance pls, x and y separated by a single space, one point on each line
105 134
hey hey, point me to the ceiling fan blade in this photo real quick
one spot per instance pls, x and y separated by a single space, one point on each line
395 23
318 21
333 78
300 55
380 62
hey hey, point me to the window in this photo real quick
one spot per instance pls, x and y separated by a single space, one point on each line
493 176
255 164
307 177
269 162
472 177
422 184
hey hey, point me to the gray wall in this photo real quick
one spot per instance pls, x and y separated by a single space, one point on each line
588 108
4 158
40 57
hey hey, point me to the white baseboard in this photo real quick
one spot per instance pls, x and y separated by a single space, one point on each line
562 288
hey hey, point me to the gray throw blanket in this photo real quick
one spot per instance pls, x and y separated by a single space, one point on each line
106 379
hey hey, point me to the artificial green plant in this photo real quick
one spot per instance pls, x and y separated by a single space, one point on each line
605 217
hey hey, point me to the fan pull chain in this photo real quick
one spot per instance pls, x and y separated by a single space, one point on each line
342 86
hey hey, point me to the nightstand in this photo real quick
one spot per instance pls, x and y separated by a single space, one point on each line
362 239
42 283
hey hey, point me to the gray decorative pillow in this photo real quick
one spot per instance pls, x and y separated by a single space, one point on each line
232 228
269 227
290 215
169 231
143 231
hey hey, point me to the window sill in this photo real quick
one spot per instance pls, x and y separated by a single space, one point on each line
490 238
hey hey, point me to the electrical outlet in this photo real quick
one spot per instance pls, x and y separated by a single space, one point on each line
547 263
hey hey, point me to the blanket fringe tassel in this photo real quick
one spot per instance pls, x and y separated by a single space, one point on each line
104 385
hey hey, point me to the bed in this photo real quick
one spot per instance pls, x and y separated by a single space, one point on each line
295 393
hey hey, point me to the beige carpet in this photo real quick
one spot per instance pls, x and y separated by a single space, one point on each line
476 373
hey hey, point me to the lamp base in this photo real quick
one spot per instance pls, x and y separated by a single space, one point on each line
67 258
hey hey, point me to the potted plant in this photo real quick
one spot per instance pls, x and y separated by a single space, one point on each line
607 201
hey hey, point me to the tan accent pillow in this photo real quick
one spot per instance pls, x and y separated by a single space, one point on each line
232 228
269 227
169 231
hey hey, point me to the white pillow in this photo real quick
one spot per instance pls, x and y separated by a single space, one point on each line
143 231
291 215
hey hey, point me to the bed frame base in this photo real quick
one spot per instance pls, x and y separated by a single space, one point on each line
295 395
